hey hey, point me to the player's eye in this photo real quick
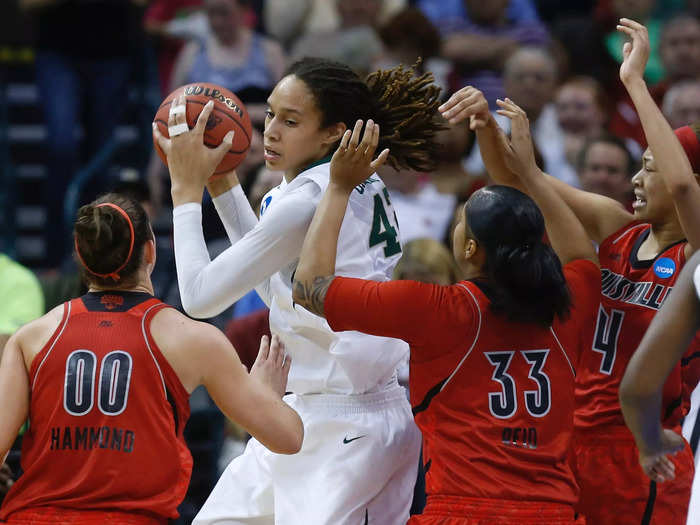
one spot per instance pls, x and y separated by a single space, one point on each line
269 113
290 123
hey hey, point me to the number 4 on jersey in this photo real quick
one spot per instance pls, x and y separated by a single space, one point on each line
607 331
382 230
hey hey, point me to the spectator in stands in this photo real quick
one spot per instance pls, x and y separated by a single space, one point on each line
22 298
427 261
530 77
679 51
232 56
407 37
606 166
439 11
82 64
681 104
163 21
481 46
22 301
355 42
289 20
581 107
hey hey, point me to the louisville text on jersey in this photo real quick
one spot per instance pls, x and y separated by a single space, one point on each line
644 293
89 438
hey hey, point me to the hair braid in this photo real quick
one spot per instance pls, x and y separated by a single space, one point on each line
405 109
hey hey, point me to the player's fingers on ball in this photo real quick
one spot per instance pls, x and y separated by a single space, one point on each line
203 117
162 141
222 149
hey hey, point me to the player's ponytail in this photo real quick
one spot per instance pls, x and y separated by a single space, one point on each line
109 236
403 103
525 278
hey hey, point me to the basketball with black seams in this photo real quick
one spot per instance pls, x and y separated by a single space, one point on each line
228 114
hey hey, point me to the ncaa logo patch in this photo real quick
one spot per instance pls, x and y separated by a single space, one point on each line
664 268
265 204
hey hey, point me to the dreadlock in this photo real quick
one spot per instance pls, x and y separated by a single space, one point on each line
403 103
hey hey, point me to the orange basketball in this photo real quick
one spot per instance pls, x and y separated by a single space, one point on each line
228 114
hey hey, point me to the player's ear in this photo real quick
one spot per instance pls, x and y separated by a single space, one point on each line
334 133
149 252
471 247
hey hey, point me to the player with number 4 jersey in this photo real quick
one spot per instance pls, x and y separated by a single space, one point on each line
105 381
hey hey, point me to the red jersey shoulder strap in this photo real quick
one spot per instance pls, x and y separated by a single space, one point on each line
619 235
162 364
40 358
476 335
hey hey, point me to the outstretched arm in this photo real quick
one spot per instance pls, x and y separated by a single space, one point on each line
641 390
600 215
566 234
669 155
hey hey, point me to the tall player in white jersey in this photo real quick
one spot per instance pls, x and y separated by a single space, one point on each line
359 459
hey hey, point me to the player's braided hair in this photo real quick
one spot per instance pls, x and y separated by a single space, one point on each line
103 237
403 103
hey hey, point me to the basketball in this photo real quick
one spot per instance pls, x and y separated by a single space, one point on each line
228 114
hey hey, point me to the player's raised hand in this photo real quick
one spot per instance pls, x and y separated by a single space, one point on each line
469 103
352 162
635 53
272 365
658 465
519 153
190 161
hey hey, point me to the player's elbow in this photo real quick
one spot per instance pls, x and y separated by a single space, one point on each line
198 307
291 438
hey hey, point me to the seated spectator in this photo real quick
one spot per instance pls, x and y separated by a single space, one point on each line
427 261
681 104
480 47
606 166
679 51
530 77
421 210
407 37
438 11
22 301
355 42
22 298
289 20
232 56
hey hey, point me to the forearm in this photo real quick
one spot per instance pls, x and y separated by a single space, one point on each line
235 212
317 261
490 141
566 234
209 287
642 418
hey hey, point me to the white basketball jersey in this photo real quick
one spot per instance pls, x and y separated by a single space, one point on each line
369 247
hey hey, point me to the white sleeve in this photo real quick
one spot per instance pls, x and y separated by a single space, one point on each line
238 218
209 287
235 212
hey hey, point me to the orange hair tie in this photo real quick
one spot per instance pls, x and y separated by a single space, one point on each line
114 274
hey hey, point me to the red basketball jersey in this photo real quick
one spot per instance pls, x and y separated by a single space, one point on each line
107 414
494 399
632 292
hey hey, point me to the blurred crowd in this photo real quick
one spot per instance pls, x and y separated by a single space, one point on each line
558 60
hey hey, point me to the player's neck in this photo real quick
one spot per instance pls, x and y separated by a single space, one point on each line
139 287
660 237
